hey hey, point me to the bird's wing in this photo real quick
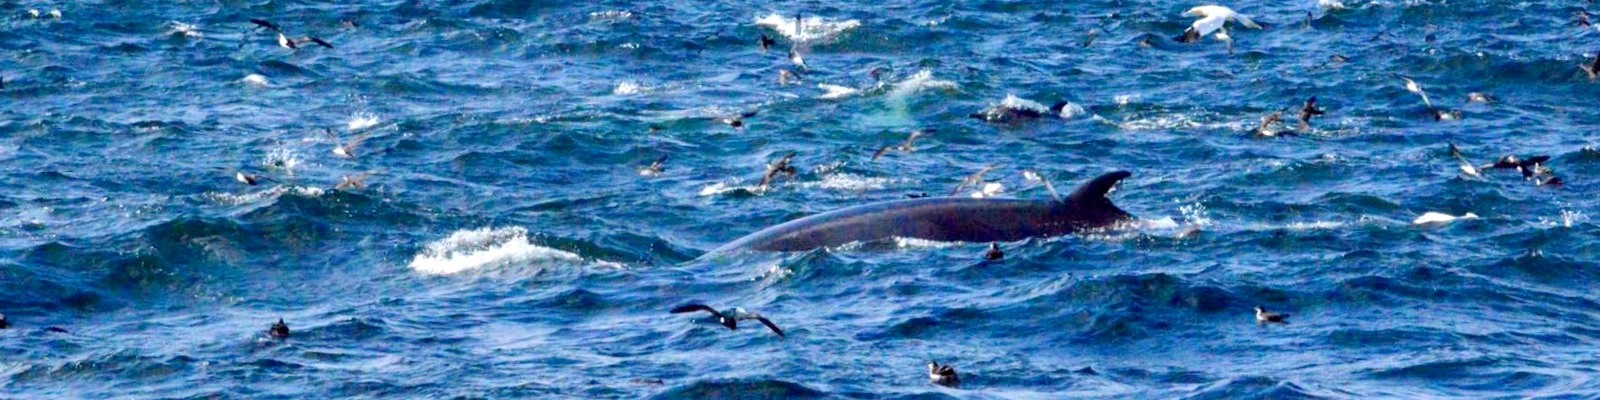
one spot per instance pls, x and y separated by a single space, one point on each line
661 160
688 308
1245 20
770 325
1205 26
752 113
879 153
316 40
265 24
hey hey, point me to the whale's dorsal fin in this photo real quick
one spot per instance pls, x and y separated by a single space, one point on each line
1095 189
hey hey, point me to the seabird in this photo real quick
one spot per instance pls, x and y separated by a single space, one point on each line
1592 68
250 179
357 181
1440 218
1477 97
1308 20
731 318
766 42
994 253
1090 38
798 59
1265 129
974 180
2 82
1581 18
4 324
654 168
942 374
1466 166
1551 181
55 329
780 167
279 330
1010 114
904 146
738 122
1264 317
1222 34
1447 115
1413 87
284 40
1512 162
347 149
1310 110
1213 17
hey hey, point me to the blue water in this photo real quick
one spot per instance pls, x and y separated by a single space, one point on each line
505 245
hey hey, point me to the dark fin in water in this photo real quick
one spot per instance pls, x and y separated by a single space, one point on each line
1055 109
1096 189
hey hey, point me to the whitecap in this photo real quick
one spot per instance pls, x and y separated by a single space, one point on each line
361 120
849 182
474 249
815 29
628 88
835 92
1440 218
255 80
1330 4
915 243
922 80
611 15
1013 102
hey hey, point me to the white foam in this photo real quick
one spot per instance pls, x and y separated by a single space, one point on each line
611 15
255 80
1013 102
835 92
361 120
914 243
814 29
629 88
990 189
187 30
922 80
849 182
234 199
725 187
1071 110
1440 218
282 159
1330 4
473 249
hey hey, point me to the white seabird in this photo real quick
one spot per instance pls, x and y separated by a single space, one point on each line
1213 17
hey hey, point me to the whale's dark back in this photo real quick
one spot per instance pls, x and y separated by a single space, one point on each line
949 219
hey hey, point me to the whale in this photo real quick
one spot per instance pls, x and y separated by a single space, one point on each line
946 219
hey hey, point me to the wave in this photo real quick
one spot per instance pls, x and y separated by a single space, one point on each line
474 249
812 29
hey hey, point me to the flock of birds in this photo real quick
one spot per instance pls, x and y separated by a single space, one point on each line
1212 21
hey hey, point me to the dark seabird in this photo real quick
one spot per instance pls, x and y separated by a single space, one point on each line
251 179
904 146
766 42
974 180
279 330
1551 181
347 149
1447 115
1592 68
4 324
56 329
2 82
1308 20
738 122
780 167
994 253
284 40
916 195
266 24
1306 113
1267 122
1512 162
1581 18
1264 317
731 318
654 168
942 374
1477 97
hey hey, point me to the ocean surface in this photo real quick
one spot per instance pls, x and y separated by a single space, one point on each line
505 245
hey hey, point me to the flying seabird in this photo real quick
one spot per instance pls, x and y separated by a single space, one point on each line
994 253
1467 167
284 40
1440 218
279 330
1264 317
654 168
766 42
942 374
1213 17
1089 39
780 167
347 149
1310 110
730 318
738 121
904 146
1413 87
974 180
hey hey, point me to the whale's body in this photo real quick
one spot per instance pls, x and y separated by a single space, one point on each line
949 219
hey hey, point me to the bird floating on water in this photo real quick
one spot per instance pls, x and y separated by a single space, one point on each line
774 169
279 330
1308 111
994 253
655 168
1267 317
943 375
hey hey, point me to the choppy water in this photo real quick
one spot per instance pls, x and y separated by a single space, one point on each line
507 247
